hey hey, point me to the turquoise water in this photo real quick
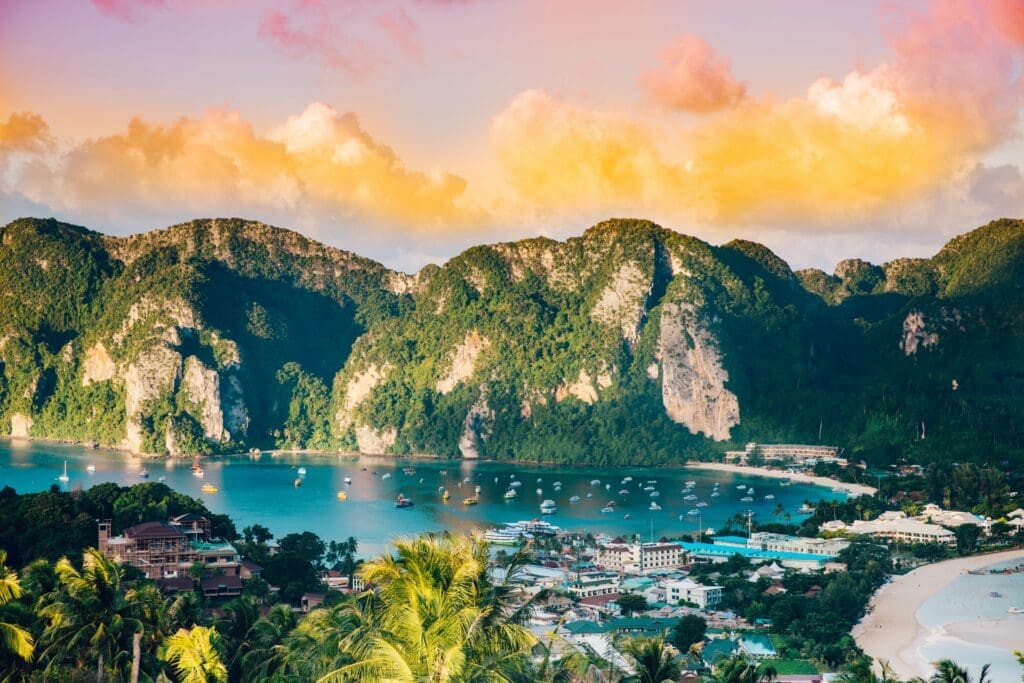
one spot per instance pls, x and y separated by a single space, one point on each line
260 490
968 599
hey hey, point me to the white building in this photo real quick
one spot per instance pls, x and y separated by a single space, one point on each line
895 526
705 597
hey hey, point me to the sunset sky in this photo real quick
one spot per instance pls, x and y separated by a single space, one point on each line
408 130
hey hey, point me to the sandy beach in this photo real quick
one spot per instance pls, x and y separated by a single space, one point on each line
890 632
853 489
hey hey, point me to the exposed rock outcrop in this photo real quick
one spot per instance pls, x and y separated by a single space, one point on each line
623 301
693 379
463 361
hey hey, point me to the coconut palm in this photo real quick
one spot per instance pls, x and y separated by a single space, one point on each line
739 669
13 638
195 655
948 671
89 619
435 617
654 663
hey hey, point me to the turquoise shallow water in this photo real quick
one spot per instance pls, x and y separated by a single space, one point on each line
968 599
260 490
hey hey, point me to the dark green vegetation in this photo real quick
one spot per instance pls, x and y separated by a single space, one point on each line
219 335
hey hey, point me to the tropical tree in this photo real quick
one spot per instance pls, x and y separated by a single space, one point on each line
14 639
89 619
739 669
654 663
948 671
195 655
435 617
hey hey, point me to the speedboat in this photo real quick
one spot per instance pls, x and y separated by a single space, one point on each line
654 506
574 499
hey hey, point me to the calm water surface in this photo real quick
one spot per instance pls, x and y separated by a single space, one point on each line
260 490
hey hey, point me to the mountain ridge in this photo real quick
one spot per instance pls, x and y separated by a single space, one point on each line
630 343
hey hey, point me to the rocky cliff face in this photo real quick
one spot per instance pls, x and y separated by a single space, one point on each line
629 343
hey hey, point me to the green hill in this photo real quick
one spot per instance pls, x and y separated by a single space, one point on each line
629 344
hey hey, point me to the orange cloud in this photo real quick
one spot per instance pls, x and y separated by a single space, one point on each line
318 164
24 132
842 150
693 77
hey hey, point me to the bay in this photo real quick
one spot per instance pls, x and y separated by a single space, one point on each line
260 490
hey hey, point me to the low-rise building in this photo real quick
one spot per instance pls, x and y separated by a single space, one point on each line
705 597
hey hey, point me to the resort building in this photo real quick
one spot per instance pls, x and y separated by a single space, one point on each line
894 526
638 558
798 454
705 597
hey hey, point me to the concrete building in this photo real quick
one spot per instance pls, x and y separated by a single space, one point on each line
894 526
705 597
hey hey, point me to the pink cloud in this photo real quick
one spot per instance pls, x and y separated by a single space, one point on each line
693 77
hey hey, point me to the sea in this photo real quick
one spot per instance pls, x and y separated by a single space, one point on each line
260 489
974 599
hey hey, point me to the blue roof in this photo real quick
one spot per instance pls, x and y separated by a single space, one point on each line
711 550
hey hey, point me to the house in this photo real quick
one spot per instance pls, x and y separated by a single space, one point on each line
705 597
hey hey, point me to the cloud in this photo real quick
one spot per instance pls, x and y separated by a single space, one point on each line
321 165
693 77
843 152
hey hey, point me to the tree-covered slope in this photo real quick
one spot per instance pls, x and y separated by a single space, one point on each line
628 344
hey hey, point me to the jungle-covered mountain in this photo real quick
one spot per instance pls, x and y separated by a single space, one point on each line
631 344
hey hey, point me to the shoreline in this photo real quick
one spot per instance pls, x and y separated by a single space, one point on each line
853 489
890 631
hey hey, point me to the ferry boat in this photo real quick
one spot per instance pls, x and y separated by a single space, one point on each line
348 480
386 475
144 473
64 477
302 471
654 506
510 494
90 468
469 501
500 537
342 495
208 488
403 502
574 499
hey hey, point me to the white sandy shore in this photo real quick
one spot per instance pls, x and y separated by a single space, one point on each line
854 489
890 632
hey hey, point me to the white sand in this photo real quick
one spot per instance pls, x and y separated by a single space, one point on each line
890 632
854 489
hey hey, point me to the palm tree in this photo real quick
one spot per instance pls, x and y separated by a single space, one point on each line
654 663
13 638
89 618
739 669
948 671
195 655
435 617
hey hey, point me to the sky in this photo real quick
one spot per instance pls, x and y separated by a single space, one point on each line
408 130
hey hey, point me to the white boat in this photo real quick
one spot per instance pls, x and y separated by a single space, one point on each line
510 494
64 477
90 468
302 471
574 499
348 480
386 475
654 506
